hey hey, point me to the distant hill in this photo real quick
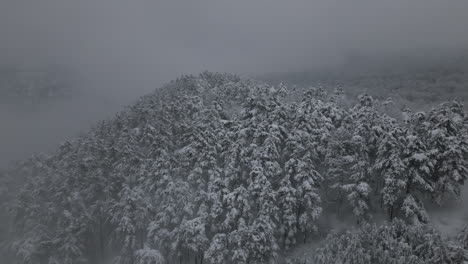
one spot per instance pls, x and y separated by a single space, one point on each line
29 86
415 87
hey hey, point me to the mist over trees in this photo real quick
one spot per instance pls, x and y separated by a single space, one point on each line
418 86
218 169
352 148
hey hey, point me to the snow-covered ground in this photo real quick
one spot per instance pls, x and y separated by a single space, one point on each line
450 220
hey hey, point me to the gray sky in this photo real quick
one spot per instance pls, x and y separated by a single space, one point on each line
169 37
125 48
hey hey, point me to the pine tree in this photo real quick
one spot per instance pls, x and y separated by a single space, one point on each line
130 215
353 154
448 149
419 168
394 242
390 166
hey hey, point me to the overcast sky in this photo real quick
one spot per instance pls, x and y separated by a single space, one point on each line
170 37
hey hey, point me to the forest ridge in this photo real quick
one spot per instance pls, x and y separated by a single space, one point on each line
219 169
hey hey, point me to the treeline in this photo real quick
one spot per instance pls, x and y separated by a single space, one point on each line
218 169
420 87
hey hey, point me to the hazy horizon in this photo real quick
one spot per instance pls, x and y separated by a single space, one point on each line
119 50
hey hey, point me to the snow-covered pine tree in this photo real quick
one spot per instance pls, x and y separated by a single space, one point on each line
390 166
288 204
130 214
394 242
352 155
448 149
148 256
418 169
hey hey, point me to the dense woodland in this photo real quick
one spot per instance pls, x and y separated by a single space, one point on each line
218 169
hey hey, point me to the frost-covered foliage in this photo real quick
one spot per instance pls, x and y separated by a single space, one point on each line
218 169
148 256
391 243
462 237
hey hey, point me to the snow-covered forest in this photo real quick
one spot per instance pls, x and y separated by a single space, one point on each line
220 169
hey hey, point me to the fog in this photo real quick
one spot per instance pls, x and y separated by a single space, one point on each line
122 49
167 38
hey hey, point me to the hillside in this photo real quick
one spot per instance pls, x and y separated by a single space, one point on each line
219 169
418 87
